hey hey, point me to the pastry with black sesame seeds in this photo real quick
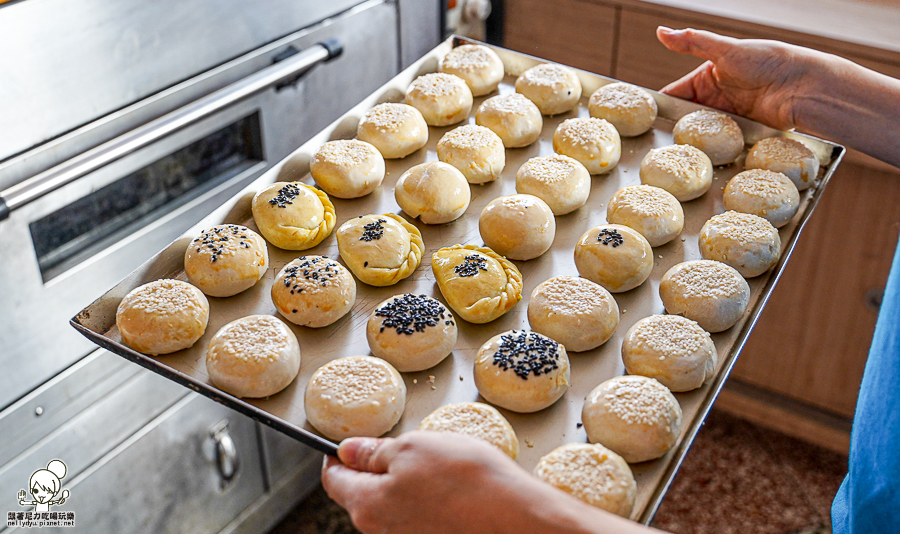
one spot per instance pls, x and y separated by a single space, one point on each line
411 332
479 284
380 250
293 215
313 291
614 256
225 260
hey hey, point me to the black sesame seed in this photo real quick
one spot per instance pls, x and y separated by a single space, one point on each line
524 353
409 313
285 195
373 230
610 237
472 264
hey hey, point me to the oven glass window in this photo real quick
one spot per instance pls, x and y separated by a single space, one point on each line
96 221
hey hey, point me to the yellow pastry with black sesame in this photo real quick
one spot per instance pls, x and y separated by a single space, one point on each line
292 215
380 250
479 284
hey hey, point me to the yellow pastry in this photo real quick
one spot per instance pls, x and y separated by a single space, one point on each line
292 215
479 284
380 250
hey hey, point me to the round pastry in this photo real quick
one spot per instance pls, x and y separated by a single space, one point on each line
709 292
787 156
614 256
347 168
513 117
592 473
635 416
522 371
595 143
163 316
520 227
293 216
435 192
560 181
475 419
411 332
715 133
746 242
225 260
313 291
442 99
479 284
574 311
476 151
380 250
629 108
553 88
770 195
652 211
355 396
478 65
253 357
672 349
396 130
682 170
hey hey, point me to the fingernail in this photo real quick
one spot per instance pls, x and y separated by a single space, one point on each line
665 29
350 447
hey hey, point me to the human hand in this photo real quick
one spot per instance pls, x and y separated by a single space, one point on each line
21 496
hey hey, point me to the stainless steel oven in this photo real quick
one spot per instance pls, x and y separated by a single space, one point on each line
121 125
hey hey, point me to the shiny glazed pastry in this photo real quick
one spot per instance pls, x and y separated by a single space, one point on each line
746 242
292 215
253 357
787 156
478 65
442 99
474 419
347 168
576 312
313 291
355 396
629 108
682 170
553 88
162 317
709 292
522 371
225 260
411 332
435 192
592 473
476 151
595 143
770 195
614 256
652 211
713 132
635 416
380 250
672 349
514 118
396 130
479 284
560 181
520 227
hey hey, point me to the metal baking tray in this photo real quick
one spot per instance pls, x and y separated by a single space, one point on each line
451 381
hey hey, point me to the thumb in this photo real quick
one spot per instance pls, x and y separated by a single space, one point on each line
703 44
371 455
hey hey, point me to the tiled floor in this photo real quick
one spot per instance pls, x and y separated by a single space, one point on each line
737 478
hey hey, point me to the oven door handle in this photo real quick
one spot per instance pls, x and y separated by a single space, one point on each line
52 179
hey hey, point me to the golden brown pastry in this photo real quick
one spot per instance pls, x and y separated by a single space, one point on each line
474 419
226 259
479 284
435 192
380 250
595 143
560 181
313 291
746 242
652 211
292 215
520 227
553 88
709 292
629 108
713 132
162 317
682 170
442 99
770 195
347 168
614 256
411 332
672 349
396 130
514 118
478 65
576 312
787 156
476 151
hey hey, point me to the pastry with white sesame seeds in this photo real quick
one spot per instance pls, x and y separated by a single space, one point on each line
522 371
520 227
591 473
162 317
253 357
560 181
713 132
746 242
553 88
442 99
355 396
787 156
683 170
634 416
576 312
380 250
514 118
347 168
477 420
709 292
479 284
411 332
629 108
293 215
476 151
313 291
614 256
672 349
225 260
396 130
767 194
435 192
653 212
478 65
595 143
